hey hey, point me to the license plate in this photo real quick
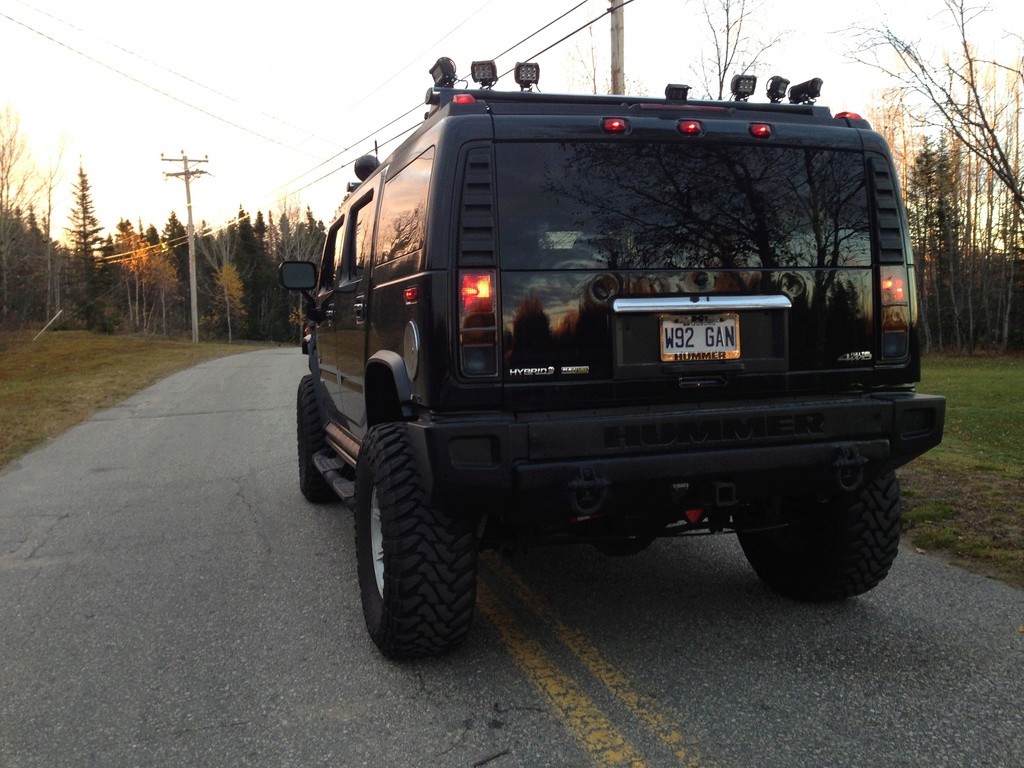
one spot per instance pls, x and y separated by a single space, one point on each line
700 337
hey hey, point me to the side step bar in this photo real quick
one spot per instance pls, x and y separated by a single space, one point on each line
334 470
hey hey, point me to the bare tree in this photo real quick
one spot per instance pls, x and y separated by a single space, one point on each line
735 49
956 92
975 101
18 190
219 251
51 178
584 66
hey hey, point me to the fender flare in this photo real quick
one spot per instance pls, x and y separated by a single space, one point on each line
387 388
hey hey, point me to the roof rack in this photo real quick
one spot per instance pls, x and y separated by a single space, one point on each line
439 97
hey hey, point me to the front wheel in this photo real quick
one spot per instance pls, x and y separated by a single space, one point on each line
416 564
831 550
311 440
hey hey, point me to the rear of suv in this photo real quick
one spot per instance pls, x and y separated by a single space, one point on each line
608 319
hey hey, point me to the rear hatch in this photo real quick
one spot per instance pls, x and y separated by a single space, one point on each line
722 262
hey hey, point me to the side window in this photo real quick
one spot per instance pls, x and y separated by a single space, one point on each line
338 245
354 242
330 262
403 210
363 240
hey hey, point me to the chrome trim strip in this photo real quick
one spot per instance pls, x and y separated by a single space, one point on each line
698 303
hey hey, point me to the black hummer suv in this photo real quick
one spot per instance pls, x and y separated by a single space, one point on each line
607 319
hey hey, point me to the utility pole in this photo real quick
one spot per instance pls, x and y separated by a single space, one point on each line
618 47
187 173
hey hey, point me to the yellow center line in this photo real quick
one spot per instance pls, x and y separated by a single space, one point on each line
587 724
642 707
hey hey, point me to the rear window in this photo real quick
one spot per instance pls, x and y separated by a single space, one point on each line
606 205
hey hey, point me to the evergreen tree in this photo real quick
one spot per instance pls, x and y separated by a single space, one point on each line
85 243
175 241
249 263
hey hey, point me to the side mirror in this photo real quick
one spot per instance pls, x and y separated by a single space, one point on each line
297 275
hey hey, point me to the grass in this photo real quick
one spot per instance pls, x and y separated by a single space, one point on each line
965 498
49 385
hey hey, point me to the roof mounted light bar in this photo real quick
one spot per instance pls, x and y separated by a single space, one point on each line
742 87
527 74
805 92
777 89
443 72
484 73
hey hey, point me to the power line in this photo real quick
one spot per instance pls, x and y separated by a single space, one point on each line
537 32
238 126
181 75
147 85
416 108
575 32
419 106
416 58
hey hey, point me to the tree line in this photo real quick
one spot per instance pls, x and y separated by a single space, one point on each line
136 279
953 120
955 126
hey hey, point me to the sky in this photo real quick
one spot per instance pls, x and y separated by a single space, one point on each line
280 98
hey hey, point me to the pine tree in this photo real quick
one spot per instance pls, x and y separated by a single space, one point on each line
85 243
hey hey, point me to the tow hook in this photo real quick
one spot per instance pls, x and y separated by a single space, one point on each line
587 493
849 468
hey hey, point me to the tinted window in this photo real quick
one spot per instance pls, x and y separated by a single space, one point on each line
664 206
403 210
363 218
353 241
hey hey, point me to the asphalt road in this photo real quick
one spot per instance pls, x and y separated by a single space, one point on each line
167 598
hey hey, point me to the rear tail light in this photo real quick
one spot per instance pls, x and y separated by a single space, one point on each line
478 323
895 305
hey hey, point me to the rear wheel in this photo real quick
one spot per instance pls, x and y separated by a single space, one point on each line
832 550
417 564
311 440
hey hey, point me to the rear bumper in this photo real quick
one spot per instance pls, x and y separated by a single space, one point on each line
763 448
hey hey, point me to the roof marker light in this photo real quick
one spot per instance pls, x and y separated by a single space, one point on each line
777 89
760 130
527 74
848 116
615 125
484 73
690 127
463 98
742 87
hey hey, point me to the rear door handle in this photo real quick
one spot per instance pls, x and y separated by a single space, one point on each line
359 310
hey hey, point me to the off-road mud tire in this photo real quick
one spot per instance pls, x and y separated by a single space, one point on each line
311 440
422 602
834 550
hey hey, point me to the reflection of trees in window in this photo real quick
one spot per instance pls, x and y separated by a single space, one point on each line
830 315
364 221
665 206
580 335
404 209
403 232
531 333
